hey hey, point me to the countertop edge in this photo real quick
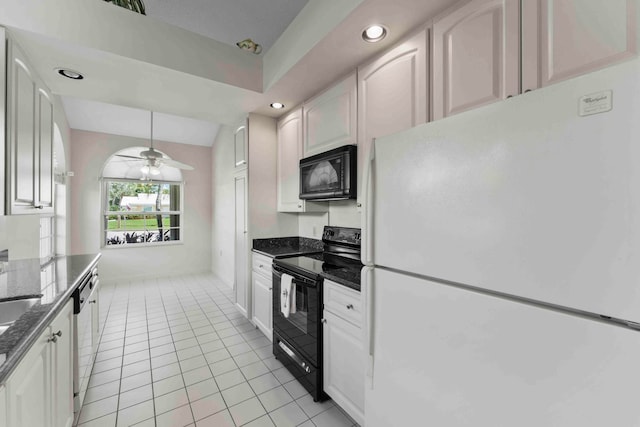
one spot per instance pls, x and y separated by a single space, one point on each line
263 253
342 282
22 348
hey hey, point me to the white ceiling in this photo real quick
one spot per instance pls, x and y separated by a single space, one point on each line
118 120
147 64
229 21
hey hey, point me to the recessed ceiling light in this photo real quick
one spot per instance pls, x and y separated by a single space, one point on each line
277 105
374 33
70 74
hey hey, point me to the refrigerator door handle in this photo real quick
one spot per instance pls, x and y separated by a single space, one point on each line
367 207
367 288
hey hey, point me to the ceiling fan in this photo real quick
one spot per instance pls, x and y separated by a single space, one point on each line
154 159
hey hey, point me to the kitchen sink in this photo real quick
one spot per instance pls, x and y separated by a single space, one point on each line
10 311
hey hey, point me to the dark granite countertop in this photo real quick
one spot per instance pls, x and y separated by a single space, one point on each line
349 277
280 247
22 279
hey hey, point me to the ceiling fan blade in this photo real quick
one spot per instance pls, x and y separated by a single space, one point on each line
130 157
176 164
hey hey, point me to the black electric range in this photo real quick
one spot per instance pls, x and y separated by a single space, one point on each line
297 304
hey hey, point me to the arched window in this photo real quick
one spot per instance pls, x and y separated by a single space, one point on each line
142 203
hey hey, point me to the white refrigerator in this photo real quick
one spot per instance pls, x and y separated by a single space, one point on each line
502 262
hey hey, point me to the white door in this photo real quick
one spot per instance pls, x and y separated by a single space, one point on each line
476 56
29 387
262 303
567 38
444 356
343 368
392 95
498 198
241 286
62 367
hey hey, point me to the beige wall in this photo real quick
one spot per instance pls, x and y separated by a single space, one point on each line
89 152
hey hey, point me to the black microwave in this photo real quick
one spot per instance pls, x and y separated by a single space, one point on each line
330 175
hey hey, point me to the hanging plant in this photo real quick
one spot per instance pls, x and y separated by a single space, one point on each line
134 5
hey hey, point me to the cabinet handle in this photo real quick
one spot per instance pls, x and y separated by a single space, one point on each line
261 266
359 205
93 301
299 205
510 96
38 207
54 336
270 288
528 90
349 306
323 320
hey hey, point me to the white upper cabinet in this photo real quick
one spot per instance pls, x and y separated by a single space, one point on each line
392 95
289 153
330 118
476 56
567 38
29 138
240 147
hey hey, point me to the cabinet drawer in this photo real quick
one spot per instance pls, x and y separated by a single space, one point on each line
261 264
343 302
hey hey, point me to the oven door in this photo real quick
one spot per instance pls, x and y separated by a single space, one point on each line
302 329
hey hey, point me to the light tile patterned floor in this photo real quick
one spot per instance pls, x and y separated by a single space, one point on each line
176 352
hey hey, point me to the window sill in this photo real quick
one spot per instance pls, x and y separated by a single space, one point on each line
143 245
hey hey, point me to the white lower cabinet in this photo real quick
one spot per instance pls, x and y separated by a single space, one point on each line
262 284
40 390
343 350
62 368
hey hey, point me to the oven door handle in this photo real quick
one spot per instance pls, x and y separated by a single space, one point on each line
294 356
279 271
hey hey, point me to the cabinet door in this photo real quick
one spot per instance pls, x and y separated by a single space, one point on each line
62 367
240 282
44 175
262 304
476 56
343 355
289 147
240 147
330 118
94 302
392 95
22 133
29 387
566 38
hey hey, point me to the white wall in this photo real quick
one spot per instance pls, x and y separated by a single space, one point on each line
223 219
89 152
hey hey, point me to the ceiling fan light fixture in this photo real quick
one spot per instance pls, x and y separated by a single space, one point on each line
154 170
